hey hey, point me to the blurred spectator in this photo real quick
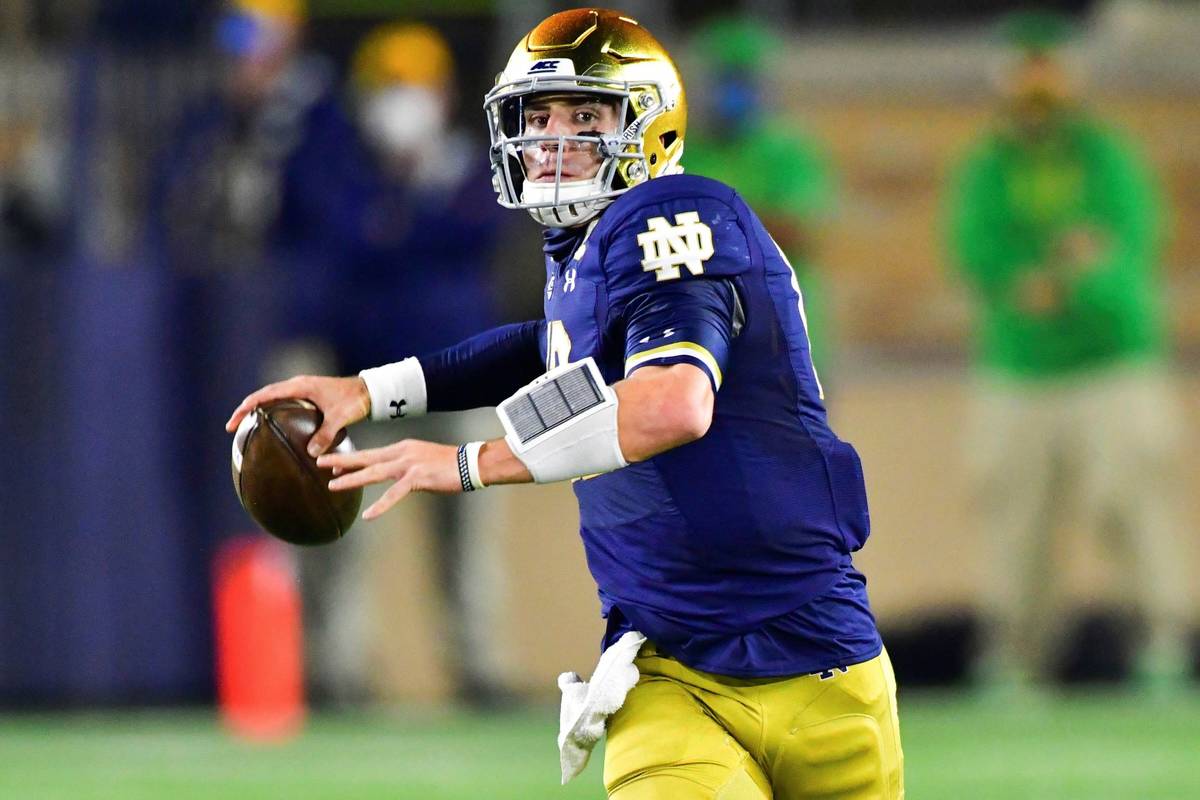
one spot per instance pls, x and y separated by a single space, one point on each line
1057 223
408 237
412 219
32 195
236 198
744 142
249 167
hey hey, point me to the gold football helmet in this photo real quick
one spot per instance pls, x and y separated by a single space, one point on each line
593 52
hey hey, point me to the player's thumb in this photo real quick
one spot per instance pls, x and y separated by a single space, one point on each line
321 440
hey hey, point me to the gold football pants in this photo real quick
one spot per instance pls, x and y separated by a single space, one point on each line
685 735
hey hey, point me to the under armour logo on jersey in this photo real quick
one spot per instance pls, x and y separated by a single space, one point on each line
666 334
569 280
550 288
666 247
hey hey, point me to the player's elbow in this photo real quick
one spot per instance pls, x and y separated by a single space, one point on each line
687 405
698 414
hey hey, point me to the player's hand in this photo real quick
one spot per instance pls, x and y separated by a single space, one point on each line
415 466
1080 249
1040 294
343 401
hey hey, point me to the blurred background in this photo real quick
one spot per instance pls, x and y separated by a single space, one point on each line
993 218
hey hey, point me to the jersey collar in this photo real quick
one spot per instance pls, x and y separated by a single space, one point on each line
560 243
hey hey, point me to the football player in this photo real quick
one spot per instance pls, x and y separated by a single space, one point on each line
671 381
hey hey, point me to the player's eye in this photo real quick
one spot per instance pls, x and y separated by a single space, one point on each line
537 120
586 116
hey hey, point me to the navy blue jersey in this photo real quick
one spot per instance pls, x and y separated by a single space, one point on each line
732 553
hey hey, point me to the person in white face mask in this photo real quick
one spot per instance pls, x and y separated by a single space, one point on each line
402 80
409 231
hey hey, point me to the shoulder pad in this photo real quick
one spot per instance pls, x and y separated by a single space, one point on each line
673 228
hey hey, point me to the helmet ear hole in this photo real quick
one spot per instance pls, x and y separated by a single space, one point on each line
653 159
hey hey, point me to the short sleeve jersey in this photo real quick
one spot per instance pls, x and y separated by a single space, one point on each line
732 552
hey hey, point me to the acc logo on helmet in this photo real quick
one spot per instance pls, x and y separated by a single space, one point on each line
552 66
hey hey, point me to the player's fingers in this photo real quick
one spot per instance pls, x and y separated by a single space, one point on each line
239 413
324 437
341 461
363 477
355 459
274 391
333 423
398 491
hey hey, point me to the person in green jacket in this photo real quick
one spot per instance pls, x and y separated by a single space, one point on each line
1056 224
780 171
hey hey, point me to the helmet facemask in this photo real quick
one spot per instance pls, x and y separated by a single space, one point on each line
621 154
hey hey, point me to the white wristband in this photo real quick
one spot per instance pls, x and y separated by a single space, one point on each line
472 453
397 390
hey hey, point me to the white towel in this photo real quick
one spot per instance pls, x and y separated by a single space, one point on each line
586 706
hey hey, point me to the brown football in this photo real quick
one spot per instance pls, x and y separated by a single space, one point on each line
280 485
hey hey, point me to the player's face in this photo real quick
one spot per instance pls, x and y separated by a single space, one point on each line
262 52
1038 88
567 115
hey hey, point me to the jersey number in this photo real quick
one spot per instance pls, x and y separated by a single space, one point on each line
558 345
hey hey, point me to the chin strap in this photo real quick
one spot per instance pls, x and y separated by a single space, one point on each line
573 207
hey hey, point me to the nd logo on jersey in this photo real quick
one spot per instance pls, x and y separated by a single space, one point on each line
666 247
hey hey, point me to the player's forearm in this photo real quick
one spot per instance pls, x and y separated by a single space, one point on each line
483 370
498 465
477 372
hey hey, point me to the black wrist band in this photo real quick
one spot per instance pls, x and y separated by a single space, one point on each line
464 472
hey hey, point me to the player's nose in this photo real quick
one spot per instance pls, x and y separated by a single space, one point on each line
559 124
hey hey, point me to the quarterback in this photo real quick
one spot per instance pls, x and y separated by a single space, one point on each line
671 381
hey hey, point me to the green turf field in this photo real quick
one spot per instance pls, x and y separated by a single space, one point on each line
1081 746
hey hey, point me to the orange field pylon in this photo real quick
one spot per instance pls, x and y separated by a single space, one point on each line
259 640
